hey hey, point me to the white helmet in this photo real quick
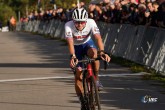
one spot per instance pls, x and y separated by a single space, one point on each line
80 14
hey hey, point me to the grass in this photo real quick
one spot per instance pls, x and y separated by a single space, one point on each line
127 63
153 75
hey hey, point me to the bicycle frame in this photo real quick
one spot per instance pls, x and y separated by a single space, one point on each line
89 85
91 95
90 70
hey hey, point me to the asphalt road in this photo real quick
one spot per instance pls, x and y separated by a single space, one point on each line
35 75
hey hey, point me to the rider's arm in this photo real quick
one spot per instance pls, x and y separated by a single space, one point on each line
73 59
71 46
99 41
69 38
97 36
101 48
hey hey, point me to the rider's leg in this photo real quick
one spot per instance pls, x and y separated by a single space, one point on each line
79 87
78 75
78 82
92 53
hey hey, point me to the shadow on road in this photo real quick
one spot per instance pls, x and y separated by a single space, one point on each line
126 93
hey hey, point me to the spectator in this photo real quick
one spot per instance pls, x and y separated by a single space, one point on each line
161 15
150 7
142 1
82 5
8 24
148 12
125 2
0 25
12 23
46 15
107 13
153 13
141 14
64 15
61 14
91 10
160 1
36 17
95 12
31 16
24 19
133 13
69 12
41 16
125 14
98 13
117 12
50 14
134 2
54 14
138 12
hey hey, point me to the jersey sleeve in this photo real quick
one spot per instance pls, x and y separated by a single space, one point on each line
68 31
95 28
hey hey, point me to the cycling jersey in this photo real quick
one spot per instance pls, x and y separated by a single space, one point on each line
81 37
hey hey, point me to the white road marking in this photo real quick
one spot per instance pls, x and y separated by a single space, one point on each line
123 74
39 78
67 77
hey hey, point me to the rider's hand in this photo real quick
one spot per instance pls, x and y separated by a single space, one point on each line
105 57
73 61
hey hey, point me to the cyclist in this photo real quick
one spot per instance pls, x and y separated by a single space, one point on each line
79 33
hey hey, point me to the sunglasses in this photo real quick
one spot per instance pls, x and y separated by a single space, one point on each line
80 22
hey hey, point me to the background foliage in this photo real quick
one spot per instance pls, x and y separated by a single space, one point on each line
12 7
5 13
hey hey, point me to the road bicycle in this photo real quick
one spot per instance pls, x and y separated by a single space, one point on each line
91 93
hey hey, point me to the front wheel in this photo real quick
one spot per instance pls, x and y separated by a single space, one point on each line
94 100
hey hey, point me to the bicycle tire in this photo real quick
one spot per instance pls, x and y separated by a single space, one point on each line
94 100
86 90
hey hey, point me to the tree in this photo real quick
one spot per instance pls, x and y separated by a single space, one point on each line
25 6
5 13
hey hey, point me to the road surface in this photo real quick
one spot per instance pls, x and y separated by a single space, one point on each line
35 75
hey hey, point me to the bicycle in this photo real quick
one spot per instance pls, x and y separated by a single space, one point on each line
91 95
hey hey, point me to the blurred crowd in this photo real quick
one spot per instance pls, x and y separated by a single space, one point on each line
136 12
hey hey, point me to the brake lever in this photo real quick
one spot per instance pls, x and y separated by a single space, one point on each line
74 68
105 63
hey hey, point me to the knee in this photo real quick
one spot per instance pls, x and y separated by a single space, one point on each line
92 53
78 75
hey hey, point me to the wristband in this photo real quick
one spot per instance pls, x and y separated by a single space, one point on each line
101 51
72 56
